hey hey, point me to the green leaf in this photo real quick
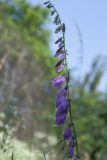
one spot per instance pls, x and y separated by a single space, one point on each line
59 40
57 20
49 6
46 2
60 141
58 29
53 12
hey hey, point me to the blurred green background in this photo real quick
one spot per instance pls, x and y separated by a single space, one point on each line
27 99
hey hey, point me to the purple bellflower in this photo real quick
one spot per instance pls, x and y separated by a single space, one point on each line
60 68
71 150
58 81
62 99
60 55
62 107
60 117
67 133
62 103
62 92
68 137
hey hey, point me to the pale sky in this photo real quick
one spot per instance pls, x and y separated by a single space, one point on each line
91 16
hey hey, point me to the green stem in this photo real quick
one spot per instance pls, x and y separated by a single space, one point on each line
70 109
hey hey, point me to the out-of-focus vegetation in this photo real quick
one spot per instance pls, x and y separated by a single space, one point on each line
27 108
25 70
24 64
90 108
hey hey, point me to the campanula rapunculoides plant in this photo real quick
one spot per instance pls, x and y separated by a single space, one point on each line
64 117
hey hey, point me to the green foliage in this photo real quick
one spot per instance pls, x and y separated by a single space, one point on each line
25 66
30 21
89 106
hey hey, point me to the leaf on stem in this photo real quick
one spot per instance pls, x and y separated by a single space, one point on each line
60 141
59 40
46 2
63 146
49 6
57 20
53 12
58 29
61 43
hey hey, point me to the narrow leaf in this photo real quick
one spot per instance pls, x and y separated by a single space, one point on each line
46 2
60 141
53 12
56 21
60 49
62 43
59 40
49 6
58 29
57 17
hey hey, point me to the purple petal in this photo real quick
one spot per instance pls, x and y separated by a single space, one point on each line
60 65
60 55
60 117
60 68
71 142
67 133
62 104
61 93
71 151
58 81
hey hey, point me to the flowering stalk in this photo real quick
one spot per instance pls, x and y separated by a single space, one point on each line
63 102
